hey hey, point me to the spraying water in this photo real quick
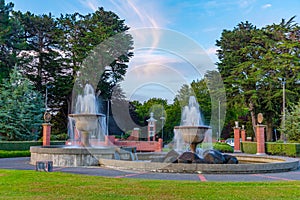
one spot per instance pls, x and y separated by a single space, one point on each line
87 104
191 116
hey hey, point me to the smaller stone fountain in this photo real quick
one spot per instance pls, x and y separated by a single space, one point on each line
192 135
191 131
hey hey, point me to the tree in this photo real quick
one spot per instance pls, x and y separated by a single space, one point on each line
253 62
10 40
21 109
292 123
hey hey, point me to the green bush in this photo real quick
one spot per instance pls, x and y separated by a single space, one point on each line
11 154
249 147
283 149
223 147
23 145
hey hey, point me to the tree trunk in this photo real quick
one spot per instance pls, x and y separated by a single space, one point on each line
269 131
253 119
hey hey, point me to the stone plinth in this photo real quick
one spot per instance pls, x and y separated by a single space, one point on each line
260 139
46 134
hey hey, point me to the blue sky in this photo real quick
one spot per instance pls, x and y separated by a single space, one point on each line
199 21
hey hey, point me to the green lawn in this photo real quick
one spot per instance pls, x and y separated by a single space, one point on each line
17 184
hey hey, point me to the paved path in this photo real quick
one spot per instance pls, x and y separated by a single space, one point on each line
23 164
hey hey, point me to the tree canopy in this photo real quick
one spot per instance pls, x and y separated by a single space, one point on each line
255 62
21 109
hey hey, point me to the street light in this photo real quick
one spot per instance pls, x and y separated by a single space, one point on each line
283 108
162 127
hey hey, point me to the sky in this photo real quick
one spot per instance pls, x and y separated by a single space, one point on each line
174 39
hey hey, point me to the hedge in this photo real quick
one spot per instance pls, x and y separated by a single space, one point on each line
24 145
13 154
283 149
272 148
249 147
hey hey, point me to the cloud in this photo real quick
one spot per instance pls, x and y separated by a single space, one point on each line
211 51
91 4
266 6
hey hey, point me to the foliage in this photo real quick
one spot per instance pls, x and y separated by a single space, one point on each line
249 147
292 124
53 52
23 145
21 109
10 41
253 64
283 149
12 154
56 185
223 147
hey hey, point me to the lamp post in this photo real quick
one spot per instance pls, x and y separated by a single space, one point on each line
219 133
162 127
107 117
283 109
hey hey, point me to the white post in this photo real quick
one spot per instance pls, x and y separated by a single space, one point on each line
219 133
283 109
107 117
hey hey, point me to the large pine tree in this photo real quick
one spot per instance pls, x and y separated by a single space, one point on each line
21 109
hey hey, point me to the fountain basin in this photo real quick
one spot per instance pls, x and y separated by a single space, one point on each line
68 156
249 164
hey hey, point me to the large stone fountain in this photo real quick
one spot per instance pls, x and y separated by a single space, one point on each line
82 153
86 116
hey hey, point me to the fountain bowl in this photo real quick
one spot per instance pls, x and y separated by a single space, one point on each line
193 135
86 122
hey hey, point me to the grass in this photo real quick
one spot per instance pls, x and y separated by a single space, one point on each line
11 154
18 184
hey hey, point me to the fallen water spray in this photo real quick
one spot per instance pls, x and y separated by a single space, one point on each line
191 116
87 104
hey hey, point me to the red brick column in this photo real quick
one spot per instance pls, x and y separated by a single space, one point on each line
243 135
260 139
160 145
46 134
237 145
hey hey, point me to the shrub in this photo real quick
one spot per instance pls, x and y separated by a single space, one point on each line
11 154
283 149
23 145
223 147
249 147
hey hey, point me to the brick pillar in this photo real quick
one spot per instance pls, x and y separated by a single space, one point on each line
46 134
260 139
243 135
160 145
237 145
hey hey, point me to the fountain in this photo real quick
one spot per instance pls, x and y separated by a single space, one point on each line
86 116
87 121
191 131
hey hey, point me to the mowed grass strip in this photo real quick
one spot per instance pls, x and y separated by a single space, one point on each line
22 184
